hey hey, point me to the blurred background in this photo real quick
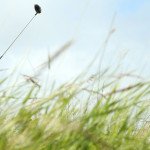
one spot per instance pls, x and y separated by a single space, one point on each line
88 23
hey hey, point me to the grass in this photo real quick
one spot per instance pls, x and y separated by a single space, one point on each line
78 115
99 112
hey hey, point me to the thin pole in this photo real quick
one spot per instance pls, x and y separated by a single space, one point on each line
17 37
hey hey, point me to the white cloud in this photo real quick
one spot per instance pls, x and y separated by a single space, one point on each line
89 22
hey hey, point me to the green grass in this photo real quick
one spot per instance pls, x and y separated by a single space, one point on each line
78 115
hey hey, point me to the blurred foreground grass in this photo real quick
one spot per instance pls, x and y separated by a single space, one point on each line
75 116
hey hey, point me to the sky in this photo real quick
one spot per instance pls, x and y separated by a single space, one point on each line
88 23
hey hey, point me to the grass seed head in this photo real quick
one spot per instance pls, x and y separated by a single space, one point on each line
37 9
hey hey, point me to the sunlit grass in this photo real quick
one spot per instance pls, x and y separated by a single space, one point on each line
76 115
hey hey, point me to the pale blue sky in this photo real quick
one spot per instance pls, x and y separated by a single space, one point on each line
86 21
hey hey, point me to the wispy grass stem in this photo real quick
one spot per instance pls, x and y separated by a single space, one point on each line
17 37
